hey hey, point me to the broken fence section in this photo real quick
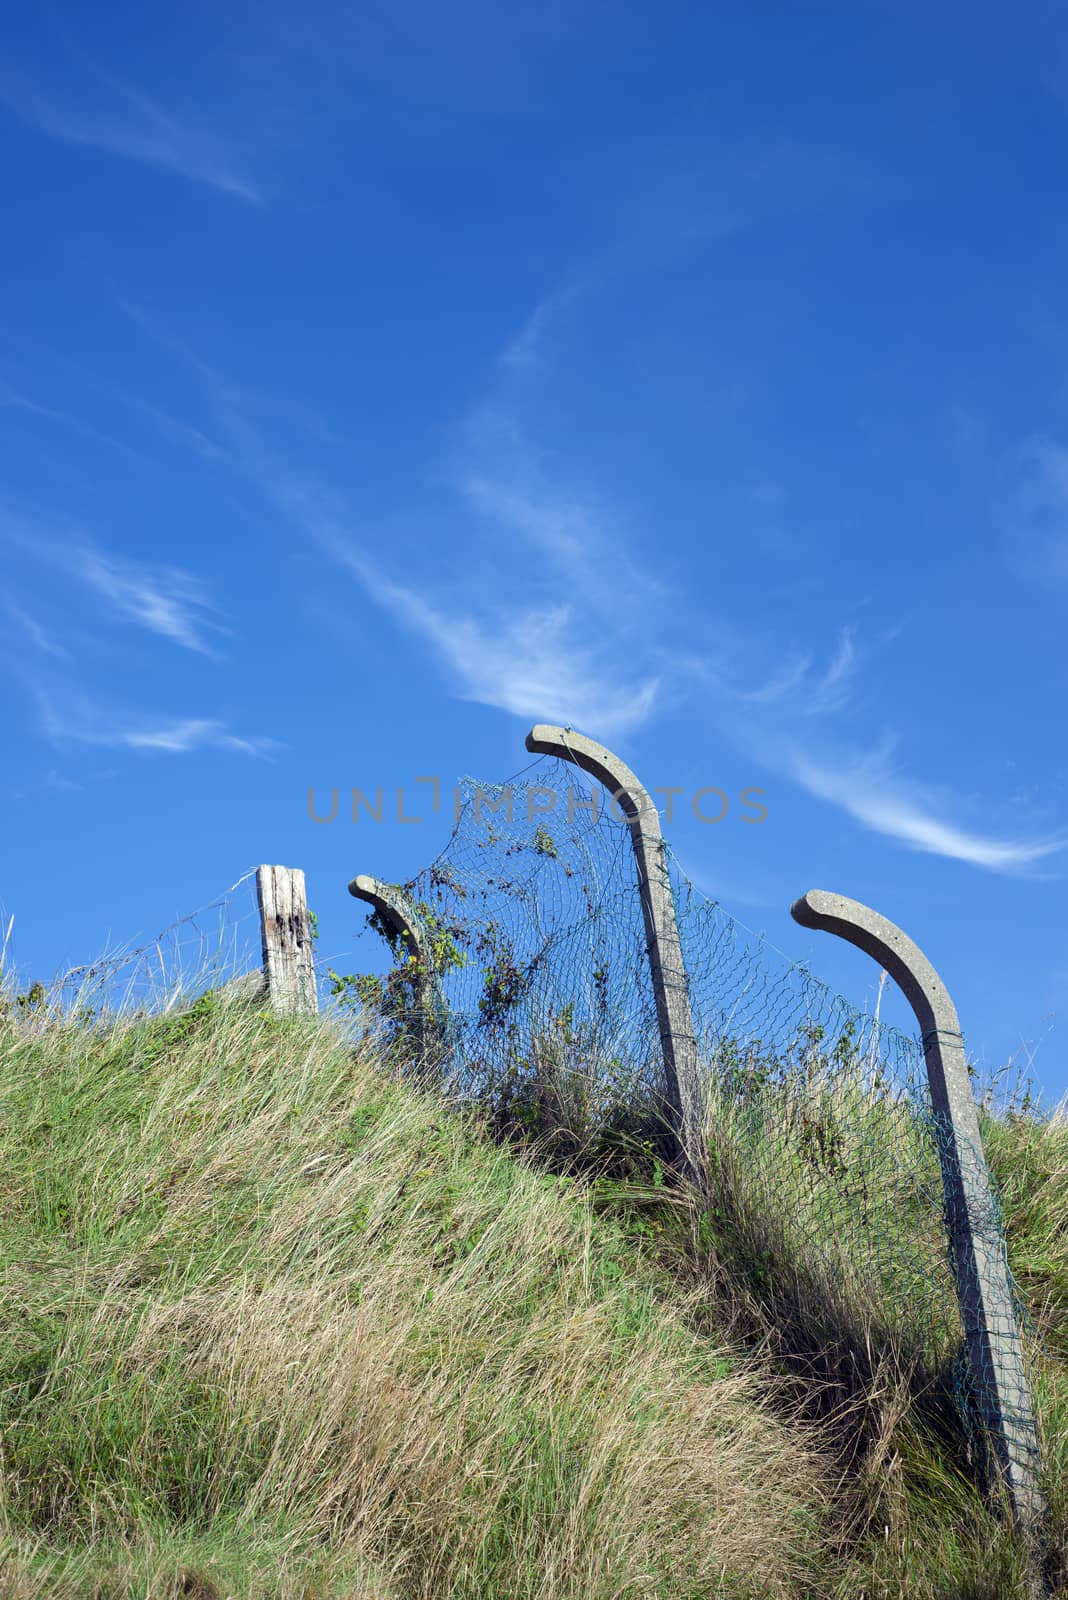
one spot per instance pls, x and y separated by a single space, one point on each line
824 1154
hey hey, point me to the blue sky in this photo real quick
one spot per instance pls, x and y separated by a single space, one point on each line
378 381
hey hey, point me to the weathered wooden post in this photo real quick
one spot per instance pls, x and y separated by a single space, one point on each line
670 986
984 1289
287 945
401 918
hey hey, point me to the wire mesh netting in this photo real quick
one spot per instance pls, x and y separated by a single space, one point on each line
823 1154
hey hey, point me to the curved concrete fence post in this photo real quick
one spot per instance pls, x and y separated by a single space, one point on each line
984 1289
670 986
398 913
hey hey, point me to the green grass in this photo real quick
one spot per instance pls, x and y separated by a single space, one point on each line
275 1323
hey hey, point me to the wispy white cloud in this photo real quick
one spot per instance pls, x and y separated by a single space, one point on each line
833 688
38 636
562 527
548 661
674 202
192 734
234 406
166 601
526 350
796 686
867 789
15 400
80 720
531 662
171 428
785 683
518 490
529 350
142 131
174 429
528 659
501 477
867 783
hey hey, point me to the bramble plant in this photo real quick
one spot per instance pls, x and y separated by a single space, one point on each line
504 981
397 996
543 843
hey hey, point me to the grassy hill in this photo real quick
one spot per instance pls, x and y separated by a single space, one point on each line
276 1323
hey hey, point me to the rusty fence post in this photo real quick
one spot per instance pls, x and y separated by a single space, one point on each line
977 1248
670 986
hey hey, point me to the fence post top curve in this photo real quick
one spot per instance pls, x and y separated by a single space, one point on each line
887 944
364 887
548 740
392 902
377 893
